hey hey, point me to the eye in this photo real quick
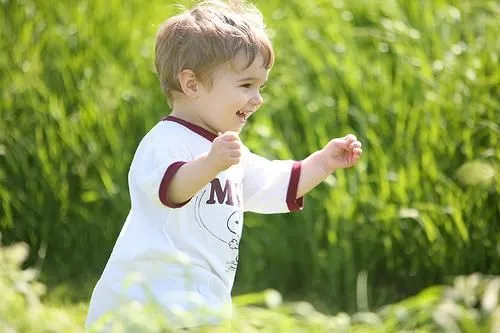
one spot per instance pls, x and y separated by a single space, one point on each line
262 87
246 85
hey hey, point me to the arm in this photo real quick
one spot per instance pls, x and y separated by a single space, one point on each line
192 176
338 153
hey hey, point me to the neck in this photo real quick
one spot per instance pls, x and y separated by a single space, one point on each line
190 114
186 111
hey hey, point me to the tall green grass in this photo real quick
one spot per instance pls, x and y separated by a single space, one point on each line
417 82
469 305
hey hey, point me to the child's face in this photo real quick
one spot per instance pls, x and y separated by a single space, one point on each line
234 94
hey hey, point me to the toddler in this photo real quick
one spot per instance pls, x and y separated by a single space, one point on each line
192 178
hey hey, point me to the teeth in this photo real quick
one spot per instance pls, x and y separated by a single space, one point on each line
242 116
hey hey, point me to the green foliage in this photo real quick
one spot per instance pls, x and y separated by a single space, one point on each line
418 82
21 309
470 306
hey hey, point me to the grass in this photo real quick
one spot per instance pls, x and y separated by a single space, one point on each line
470 304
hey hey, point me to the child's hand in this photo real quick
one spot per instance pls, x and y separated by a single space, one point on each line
342 152
225 151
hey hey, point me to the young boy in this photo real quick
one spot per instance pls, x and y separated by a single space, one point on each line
192 178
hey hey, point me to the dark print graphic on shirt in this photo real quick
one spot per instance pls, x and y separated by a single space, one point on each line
218 210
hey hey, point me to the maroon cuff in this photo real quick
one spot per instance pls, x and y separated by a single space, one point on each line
292 201
167 177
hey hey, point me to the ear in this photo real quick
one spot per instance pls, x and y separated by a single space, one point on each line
189 83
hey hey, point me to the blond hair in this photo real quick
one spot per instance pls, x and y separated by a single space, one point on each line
208 35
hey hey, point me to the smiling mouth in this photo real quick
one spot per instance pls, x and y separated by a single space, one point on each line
243 116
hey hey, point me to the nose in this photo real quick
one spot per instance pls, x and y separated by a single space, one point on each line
256 99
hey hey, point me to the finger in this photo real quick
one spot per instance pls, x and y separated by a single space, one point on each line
355 144
233 145
230 133
357 151
341 143
234 160
350 138
230 136
235 153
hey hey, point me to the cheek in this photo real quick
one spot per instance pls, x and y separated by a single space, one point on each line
234 98
243 97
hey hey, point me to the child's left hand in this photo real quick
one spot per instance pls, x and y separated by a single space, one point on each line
342 152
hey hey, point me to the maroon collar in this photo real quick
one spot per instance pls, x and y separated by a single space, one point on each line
195 128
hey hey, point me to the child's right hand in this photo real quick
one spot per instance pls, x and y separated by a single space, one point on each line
225 151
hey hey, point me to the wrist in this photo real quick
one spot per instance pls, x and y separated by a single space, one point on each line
315 169
324 164
317 163
210 165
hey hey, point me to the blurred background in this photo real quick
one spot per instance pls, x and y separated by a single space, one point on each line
417 81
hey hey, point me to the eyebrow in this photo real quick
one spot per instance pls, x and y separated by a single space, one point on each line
252 78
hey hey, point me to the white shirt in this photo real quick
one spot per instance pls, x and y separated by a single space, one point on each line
184 257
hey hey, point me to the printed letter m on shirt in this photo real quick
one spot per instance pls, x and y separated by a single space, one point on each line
216 190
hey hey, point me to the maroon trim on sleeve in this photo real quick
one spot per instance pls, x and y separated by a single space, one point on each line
167 177
294 203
